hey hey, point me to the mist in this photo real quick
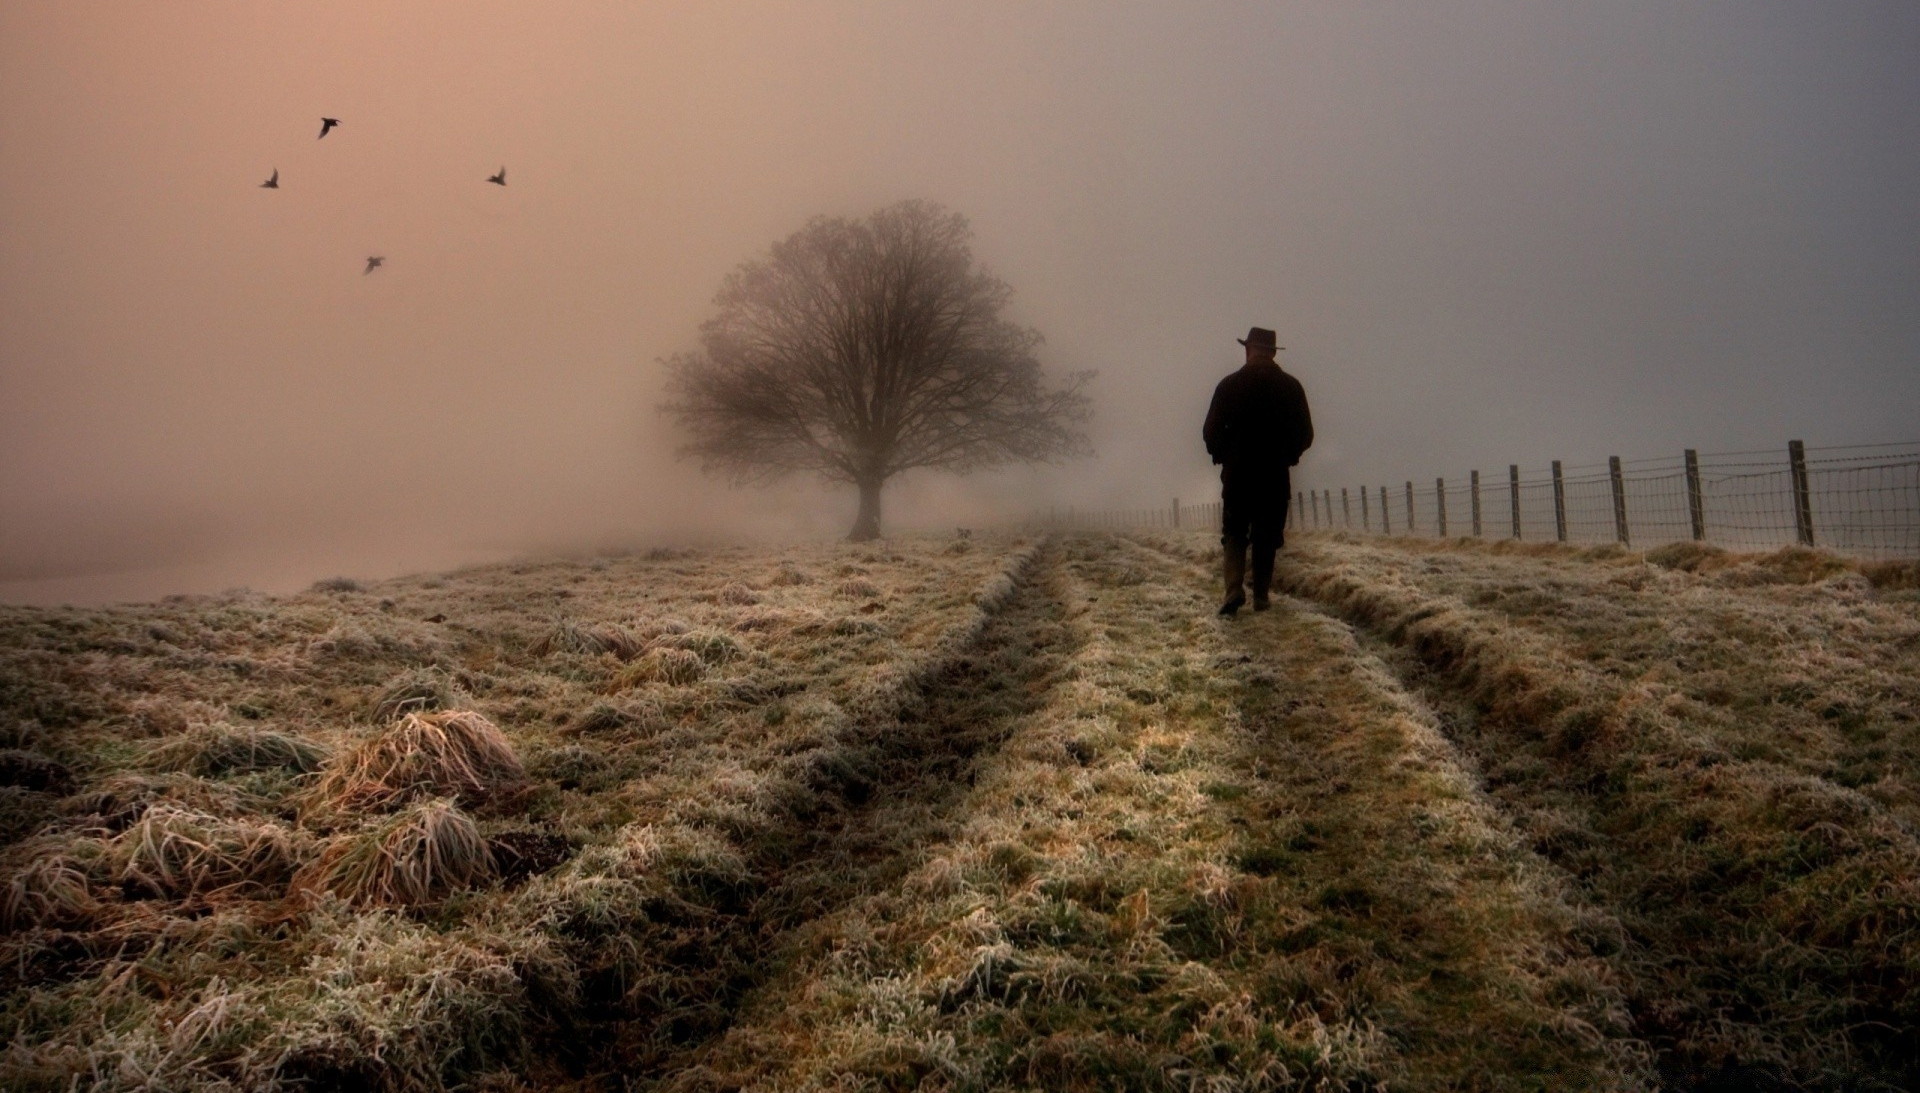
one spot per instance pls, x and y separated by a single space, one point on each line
1498 233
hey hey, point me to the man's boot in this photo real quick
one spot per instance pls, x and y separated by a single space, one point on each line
1236 573
1262 576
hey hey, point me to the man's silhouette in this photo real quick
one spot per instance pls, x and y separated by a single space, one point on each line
1256 429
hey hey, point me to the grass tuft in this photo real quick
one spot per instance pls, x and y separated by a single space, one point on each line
454 753
178 852
413 858
583 639
422 690
212 750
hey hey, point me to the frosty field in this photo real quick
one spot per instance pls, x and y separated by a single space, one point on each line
1001 813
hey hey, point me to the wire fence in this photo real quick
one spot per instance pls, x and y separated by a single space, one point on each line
1860 500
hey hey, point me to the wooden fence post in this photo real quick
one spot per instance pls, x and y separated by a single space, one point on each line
1513 492
1411 525
1366 516
1176 512
1346 510
1696 500
1386 516
1619 500
1559 504
1315 498
1440 503
1802 492
1474 478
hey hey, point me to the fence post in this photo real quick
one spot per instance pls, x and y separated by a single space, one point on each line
1559 504
1346 510
1513 492
1696 501
1440 506
1386 517
1619 500
1176 512
1802 494
1474 478
1366 515
1412 527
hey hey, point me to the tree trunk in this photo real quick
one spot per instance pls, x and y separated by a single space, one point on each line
866 526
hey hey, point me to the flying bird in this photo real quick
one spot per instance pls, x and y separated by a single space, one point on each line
373 263
272 183
326 124
499 179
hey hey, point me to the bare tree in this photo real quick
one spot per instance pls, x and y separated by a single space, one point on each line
859 349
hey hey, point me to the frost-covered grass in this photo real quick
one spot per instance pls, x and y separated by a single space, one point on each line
995 814
410 834
1203 857
1719 747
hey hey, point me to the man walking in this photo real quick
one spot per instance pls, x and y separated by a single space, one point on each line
1256 429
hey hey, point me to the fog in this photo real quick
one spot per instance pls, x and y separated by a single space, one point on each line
1486 232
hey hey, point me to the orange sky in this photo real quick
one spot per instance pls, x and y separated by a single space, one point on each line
1503 234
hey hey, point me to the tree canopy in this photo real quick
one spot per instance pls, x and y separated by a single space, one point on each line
860 349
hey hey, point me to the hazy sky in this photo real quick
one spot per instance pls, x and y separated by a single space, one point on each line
1487 233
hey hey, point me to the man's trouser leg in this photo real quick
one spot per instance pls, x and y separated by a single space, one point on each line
1269 534
1234 564
1233 543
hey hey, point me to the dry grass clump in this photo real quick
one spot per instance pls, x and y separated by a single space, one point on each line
455 753
736 595
49 883
117 801
712 647
178 852
336 584
212 750
420 690
859 589
1893 576
415 857
586 639
662 664
790 575
1689 557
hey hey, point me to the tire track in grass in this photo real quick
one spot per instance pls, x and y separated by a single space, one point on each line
869 806
1136 897
1770 934
1472 952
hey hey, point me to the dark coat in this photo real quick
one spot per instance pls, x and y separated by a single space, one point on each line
1258 420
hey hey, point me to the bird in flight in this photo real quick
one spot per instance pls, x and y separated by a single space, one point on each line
272 183
499 179
327 124
373 263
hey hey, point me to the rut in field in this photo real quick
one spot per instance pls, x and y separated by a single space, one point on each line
888 791
1720 760
1197 862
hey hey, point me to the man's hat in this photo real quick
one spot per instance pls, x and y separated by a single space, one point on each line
1260 338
